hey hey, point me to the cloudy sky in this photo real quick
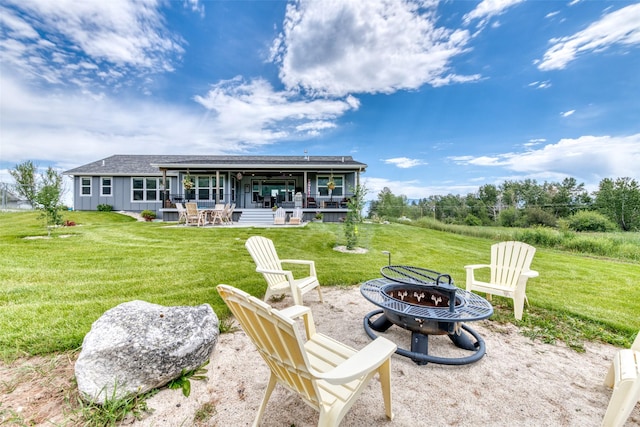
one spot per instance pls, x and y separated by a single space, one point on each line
437 97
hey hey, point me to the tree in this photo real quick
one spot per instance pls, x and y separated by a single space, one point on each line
619 200
388 205
44 192
489 195
354 216
26 180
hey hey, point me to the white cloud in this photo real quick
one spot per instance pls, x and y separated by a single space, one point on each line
253 112
76 128
540 85
87 42
587 158
621 27
337 47
404 162
567 113
413 189
487 9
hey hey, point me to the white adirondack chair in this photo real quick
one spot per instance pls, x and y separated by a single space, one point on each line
296 217
624 377
182 213
510 269
280 281
280 216
328 375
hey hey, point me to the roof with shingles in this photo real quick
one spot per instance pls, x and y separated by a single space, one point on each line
121 164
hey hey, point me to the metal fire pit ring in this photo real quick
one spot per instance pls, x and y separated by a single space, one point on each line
423 320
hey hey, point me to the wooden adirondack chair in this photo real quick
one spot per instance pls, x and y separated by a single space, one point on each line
296 217
624 377
280 216
328 375
510 270
280 281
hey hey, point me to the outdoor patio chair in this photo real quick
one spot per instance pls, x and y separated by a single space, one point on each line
228 213
182 213
193 215
328 375
280 216
281 281
624 377
510 270
296 217
311 202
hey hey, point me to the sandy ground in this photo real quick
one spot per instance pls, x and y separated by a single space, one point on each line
519 382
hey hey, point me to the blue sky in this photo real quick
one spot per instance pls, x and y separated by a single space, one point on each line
436 97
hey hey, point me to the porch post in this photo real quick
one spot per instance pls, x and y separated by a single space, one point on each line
304 189
218 184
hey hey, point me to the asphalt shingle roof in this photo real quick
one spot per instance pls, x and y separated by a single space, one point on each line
128 164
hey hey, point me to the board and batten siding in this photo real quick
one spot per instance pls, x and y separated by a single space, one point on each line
120 198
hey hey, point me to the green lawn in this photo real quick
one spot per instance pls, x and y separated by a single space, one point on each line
51 290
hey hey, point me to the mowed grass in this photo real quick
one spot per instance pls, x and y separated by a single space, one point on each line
52 290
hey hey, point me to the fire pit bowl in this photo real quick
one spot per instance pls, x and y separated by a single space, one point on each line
416 299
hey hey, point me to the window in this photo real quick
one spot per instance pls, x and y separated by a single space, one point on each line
206 187
85 186
106 186
146 189
323 190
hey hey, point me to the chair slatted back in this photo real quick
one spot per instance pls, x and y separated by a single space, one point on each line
277 339
192 208
509 260
264 254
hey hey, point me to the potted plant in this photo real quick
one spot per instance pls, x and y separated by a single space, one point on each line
148 215
331 185
187 183
318 217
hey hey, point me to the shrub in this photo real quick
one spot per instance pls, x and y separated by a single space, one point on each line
508 217
537 216
590 245
590 221
542 236
473 220
148 215
103 207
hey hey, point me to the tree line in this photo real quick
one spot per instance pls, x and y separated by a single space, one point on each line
615 205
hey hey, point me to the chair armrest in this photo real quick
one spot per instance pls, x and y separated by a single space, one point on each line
310 263
530 273
361 363
296 311
476 266
298 261
269 271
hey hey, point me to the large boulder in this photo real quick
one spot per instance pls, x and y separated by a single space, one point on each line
138 346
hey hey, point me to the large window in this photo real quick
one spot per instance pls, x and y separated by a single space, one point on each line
205 188
85 186
323 189
146 189
106 186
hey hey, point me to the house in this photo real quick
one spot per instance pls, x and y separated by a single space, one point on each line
156 182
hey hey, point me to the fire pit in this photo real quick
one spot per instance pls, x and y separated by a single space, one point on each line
426 303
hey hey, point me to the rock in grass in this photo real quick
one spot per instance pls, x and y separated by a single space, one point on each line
138 346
